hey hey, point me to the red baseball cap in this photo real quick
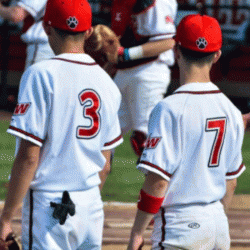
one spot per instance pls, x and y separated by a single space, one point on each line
200 33
68 15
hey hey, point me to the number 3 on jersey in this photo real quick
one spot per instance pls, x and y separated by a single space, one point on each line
91 103
219 126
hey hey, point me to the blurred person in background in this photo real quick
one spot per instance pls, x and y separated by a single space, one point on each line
146 29
31 14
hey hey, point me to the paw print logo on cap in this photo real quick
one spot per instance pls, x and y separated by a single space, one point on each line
201 43
72 22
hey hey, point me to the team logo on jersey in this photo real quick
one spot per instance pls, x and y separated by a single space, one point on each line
21 108
72 22
201 43
194 225
152 142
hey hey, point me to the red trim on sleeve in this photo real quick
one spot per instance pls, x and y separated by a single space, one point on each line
156 167
114 141
26 133
235 172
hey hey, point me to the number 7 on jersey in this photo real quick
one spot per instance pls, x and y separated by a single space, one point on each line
219 126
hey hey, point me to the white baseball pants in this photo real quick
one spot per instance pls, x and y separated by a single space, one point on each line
40 231
193 227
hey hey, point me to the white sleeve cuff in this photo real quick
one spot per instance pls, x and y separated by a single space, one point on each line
237 173
147 166
114 143
25 135
31 11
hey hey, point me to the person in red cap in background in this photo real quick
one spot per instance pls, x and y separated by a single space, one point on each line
146 29
66 123
192 166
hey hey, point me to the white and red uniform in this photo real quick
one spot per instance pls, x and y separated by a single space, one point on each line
68 106
34 35
195 140
143 82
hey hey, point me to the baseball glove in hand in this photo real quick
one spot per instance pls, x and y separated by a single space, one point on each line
10 243
103 46
62 210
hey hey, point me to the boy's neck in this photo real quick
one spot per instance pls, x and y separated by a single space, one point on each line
69 47
195 74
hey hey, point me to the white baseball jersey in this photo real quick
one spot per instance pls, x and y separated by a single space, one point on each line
68 106
195 140
144 82
36 33
157 23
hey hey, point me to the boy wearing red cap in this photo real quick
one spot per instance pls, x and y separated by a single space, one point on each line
66 122
193 155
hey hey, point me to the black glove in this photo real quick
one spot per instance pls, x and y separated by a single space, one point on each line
62 210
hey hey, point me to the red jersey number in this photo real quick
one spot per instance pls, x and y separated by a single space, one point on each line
219 126
91 103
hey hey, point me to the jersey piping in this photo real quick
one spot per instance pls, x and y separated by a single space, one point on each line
237 171
156 167
71 61
199 92
114 141
31 219
26 133
163 231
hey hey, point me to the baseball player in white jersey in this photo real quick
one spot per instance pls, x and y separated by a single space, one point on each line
66 122
31 13
193 153
146 28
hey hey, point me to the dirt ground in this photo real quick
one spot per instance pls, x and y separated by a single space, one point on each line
119 219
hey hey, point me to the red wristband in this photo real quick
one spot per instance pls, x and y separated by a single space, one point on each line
120 51
148 203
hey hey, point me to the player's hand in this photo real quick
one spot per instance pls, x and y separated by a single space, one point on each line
246 120
5 229
136 242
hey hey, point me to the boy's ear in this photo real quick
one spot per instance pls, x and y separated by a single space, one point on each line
47 28
176 52
217 56
88 33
